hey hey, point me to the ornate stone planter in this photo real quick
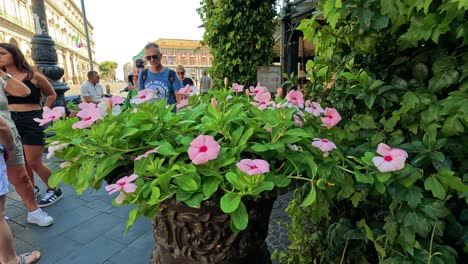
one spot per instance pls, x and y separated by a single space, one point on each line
186 235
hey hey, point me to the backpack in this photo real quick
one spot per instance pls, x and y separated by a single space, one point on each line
144 74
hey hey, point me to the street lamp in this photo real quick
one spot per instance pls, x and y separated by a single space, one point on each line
44 53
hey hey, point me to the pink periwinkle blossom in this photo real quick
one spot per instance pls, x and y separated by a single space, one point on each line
256 90
331 117
49 115
298 118
225 81
117 100
253 167
313 108
187 91
392 159
143 96
237 88
147 153
262 100
202 149
124 184
88 117
323 144
296 98
65 164
83 106
182 103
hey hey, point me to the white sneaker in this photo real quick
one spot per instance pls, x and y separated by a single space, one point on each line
39 218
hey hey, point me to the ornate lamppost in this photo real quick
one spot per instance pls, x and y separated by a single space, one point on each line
44 53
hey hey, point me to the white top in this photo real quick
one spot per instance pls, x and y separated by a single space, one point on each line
95 92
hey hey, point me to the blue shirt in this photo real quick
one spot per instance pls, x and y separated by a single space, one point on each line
159 82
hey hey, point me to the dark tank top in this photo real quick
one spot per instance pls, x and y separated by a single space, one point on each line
33 98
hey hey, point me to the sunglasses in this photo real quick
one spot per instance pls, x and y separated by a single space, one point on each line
180 73
154 57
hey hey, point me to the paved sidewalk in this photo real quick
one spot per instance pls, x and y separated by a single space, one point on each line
89 229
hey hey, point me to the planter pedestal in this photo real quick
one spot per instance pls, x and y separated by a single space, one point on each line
186 235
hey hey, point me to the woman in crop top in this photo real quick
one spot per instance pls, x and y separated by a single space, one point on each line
24 110
15 163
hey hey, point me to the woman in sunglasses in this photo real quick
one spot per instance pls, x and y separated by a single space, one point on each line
180 70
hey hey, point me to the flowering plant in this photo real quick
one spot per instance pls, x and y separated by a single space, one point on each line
226 145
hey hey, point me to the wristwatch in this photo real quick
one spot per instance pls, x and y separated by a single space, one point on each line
7 77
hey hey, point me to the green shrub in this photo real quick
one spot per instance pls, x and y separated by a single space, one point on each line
399 71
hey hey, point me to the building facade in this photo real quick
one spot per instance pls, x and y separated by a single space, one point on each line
190 53
66 28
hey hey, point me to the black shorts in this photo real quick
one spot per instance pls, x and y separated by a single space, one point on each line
29 130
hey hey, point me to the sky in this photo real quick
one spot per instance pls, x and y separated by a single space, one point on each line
123 27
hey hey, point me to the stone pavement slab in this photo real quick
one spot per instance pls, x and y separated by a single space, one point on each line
89 229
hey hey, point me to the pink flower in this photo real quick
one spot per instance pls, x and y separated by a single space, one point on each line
120 198
117 100
143 96
263 100
49 115
53 147
393 158
323 144
214 103
225 81
202 149
298 119
332 117
83 106
313 108
187 90
88 117
253 167
296 98
182 103
237 88
147 153
124 184
65 164
258 89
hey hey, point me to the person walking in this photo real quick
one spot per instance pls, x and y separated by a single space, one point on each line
7 250
180 70
91 91
159 78
206 83
23 111
16 170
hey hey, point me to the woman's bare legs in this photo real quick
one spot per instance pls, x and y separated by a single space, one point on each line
18 176
33 156
7 250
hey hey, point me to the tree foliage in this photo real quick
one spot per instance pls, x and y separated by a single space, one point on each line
399 71
107 69
240 36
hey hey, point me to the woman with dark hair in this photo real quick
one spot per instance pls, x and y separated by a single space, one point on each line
24 110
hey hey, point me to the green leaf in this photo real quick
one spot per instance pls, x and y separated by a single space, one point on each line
452 126
235 180
195 200
211 186
356 198
406 238
155 193
263 186
310 198
433 185
446 176
391 228
364 178
281 180
408 181
132 217
383 177
186 183
414 197
367 159
369 100
166 149
128 131
230 201
240 217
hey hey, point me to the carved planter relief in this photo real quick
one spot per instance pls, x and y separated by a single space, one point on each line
186 235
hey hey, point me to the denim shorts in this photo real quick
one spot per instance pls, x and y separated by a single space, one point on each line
29 130
3 174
